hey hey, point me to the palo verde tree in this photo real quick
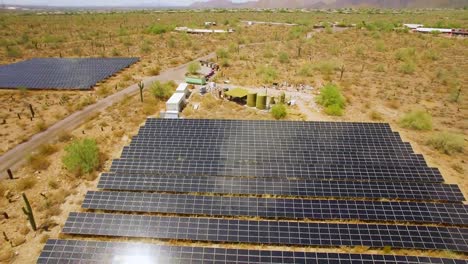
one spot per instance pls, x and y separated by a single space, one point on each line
82 156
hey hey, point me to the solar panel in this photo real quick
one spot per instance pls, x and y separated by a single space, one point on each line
303 171
75 251
261 143
259 156
275 186
61 73
268 232
456 214
320 125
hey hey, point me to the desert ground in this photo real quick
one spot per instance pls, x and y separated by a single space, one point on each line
382 73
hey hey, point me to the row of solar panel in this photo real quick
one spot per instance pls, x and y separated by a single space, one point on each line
284 187
455 214
292 148
257 156
280 131
268 232
220 149
74 251
158 139
322 125
279 136
261 140
303 171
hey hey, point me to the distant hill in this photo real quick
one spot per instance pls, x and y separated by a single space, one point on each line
330 3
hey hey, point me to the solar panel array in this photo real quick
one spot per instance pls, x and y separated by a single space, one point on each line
295 184
71 251
61 73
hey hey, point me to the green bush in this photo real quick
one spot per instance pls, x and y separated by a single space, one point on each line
268 73
158 29
82 156
326 67
283 57
447 143
13 52
279 111
222 54
162 91
194 67
405 54
331 98
306 70
419 120
408 67
334 110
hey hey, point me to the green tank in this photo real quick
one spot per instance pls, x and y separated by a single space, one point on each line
252 99
261 101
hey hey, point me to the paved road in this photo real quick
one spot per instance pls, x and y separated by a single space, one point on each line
13 158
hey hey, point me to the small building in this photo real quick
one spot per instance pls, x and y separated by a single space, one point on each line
176 102
208 23
183 88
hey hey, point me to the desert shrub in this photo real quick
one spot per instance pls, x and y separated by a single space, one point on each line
306 70
331 98
158 29
13 52
408 67
447 142
283 57
53 184
225 63
279 111
380 46
103 91
25 183
145 48
64 137
154 71
268 74
81 156
326 67
419 120
334 110
222 54
431 55
405 54
162 91
194 67
47 149
374 115
40 126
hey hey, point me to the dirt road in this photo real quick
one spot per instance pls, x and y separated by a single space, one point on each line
13 158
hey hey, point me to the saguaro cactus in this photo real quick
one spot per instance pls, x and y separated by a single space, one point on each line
141 85
29 213
32 111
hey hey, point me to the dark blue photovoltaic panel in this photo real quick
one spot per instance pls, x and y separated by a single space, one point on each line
278 186
61 73
438 213
75 251
268 232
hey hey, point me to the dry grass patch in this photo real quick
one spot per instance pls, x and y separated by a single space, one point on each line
26 183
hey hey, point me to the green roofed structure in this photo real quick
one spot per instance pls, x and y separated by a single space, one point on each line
237 93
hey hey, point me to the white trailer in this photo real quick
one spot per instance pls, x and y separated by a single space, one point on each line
176 102
183 88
